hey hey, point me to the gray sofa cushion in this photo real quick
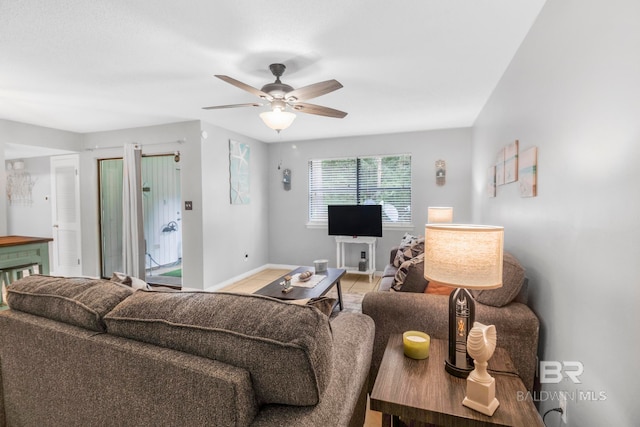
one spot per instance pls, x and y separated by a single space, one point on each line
77 301
512 280
287 348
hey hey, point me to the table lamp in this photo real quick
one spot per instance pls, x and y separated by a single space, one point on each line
465 257
439 215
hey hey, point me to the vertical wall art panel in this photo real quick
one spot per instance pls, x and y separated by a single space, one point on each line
529 172
500 167
239 172
491 181
511 162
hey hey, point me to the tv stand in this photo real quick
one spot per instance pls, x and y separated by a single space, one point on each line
341 241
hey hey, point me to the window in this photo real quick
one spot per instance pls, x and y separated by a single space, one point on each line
383 180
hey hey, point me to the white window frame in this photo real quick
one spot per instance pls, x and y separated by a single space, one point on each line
387 224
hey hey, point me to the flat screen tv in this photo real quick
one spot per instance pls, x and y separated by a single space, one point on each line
355 220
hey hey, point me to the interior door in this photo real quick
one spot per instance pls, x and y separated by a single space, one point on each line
65 207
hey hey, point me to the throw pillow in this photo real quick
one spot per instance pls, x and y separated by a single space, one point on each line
403 271
438 288
132 282
405 253
512 280
324 304
407 239
121 278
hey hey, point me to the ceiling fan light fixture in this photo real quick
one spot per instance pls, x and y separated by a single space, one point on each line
277 119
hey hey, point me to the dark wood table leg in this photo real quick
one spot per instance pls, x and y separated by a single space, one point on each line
339 286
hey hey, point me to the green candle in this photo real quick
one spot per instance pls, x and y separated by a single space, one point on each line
416 344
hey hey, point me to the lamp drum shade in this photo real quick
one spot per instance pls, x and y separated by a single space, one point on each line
439 215
464 256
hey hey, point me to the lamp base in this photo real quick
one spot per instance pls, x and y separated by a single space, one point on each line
456 371
481 397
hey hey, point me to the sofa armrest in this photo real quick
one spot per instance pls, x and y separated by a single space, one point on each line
397 312
344 401
392 255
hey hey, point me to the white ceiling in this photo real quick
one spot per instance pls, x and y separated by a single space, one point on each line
87 66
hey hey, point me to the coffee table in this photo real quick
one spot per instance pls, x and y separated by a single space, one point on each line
423 391
274 289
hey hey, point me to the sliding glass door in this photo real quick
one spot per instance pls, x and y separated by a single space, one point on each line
162 218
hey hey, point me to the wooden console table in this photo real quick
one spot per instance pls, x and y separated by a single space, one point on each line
16 251
421 390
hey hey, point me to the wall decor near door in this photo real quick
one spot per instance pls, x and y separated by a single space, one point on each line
19 184
441 172
511 162
491 181
239 172
500 167
529 172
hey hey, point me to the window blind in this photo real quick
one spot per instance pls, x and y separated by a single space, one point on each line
383 180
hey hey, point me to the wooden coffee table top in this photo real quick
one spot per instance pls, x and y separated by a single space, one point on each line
422 390
274 289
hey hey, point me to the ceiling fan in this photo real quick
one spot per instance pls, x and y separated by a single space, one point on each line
280 95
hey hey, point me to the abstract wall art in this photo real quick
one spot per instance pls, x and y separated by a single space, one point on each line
239 155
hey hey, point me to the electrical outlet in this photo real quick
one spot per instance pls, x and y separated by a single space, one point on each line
562 403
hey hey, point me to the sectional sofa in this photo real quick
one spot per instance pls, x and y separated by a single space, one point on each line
79 352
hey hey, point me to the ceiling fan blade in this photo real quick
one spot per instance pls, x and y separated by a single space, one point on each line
319 110
313 91
244 86
217 107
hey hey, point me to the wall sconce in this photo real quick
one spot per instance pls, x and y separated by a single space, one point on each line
286 179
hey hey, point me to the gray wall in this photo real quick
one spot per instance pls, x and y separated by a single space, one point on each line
572 90
231 231
292 242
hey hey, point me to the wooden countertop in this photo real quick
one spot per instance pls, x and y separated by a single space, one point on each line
22 240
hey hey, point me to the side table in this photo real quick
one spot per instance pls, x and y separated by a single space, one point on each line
421 390
341 241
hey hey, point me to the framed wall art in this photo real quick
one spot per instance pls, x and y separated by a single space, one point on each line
511 162
491 181
239 155
528 172
500 167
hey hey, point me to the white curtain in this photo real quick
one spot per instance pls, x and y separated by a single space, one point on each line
133 249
